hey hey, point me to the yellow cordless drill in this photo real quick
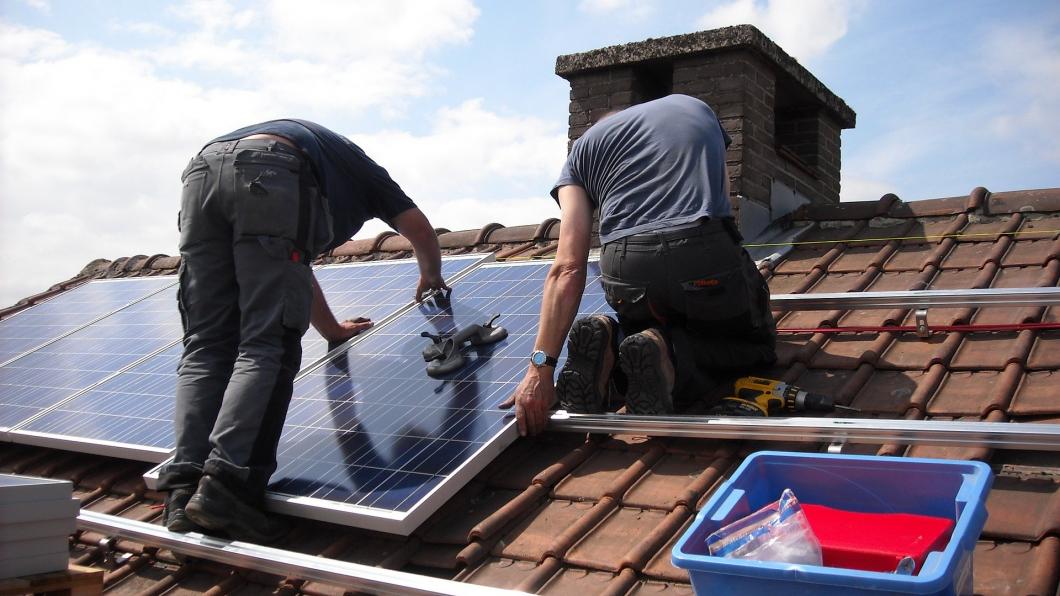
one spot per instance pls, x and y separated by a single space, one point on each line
755 396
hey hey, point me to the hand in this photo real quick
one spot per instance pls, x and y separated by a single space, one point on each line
348 329
532 400
429 282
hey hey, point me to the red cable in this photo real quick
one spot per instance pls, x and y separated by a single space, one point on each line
912 329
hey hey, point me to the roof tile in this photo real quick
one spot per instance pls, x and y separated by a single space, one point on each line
929 207
660 567
1037 395
1046 351
598 476
1023 509
850 350
909 352
1016 568
968 254
542 460
803 259
793 347
606 546
1028 252
456 523
859 258
910 256
987 228
991 350
507 574
974 393
785 284
582 581
892 393
654 588
676 479
532 538
1046 199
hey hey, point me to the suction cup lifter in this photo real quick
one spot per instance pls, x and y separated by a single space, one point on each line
445 353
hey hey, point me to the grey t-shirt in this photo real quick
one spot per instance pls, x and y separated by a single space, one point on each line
652 166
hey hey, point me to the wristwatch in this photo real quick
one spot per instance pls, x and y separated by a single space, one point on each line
539 358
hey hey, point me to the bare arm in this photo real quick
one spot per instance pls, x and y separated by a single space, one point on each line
559 305
324 321
413 225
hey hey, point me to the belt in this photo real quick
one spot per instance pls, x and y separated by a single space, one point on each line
706 226
272 142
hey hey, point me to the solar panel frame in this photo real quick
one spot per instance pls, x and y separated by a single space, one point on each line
428 501
38 429
60 299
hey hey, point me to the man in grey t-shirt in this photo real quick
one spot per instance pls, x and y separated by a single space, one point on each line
691 304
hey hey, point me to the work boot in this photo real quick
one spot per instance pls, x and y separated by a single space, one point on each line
582 386
215 507
174 516
645 360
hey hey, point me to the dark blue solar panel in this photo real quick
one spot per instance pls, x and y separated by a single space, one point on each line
372 290
369 428
57 371
135 407
44 322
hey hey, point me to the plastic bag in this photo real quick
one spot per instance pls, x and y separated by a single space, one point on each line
778 532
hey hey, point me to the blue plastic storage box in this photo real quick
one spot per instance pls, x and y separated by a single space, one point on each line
870 484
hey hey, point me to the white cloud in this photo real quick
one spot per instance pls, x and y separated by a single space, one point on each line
92 140
397 28
453 171
1023 63
43 6
634 9
805 29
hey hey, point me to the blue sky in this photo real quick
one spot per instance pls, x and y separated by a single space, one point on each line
103 102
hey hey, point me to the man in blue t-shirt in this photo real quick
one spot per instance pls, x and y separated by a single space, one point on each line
258 204
690 302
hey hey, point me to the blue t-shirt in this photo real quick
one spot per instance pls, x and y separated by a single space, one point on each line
652 166
357 188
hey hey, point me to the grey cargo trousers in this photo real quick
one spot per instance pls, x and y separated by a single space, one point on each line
248 210
702 290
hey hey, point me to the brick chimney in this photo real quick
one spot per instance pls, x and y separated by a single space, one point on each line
784 123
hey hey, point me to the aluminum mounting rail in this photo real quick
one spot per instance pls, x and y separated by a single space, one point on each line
350 576
917 299
998 435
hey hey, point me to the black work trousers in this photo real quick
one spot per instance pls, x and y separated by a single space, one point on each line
702 290
248 212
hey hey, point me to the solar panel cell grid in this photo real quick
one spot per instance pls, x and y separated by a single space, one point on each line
134 409
49 320
369 429
53 373
371 290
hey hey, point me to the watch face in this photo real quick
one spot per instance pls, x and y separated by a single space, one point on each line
538 358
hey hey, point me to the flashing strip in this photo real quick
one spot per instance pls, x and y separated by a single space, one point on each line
350 576
998 435
917 298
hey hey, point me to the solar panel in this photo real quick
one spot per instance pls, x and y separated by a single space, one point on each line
50 374
29 329
372 441
128 415
131 414
374 290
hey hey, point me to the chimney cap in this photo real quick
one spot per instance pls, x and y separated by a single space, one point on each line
704 42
